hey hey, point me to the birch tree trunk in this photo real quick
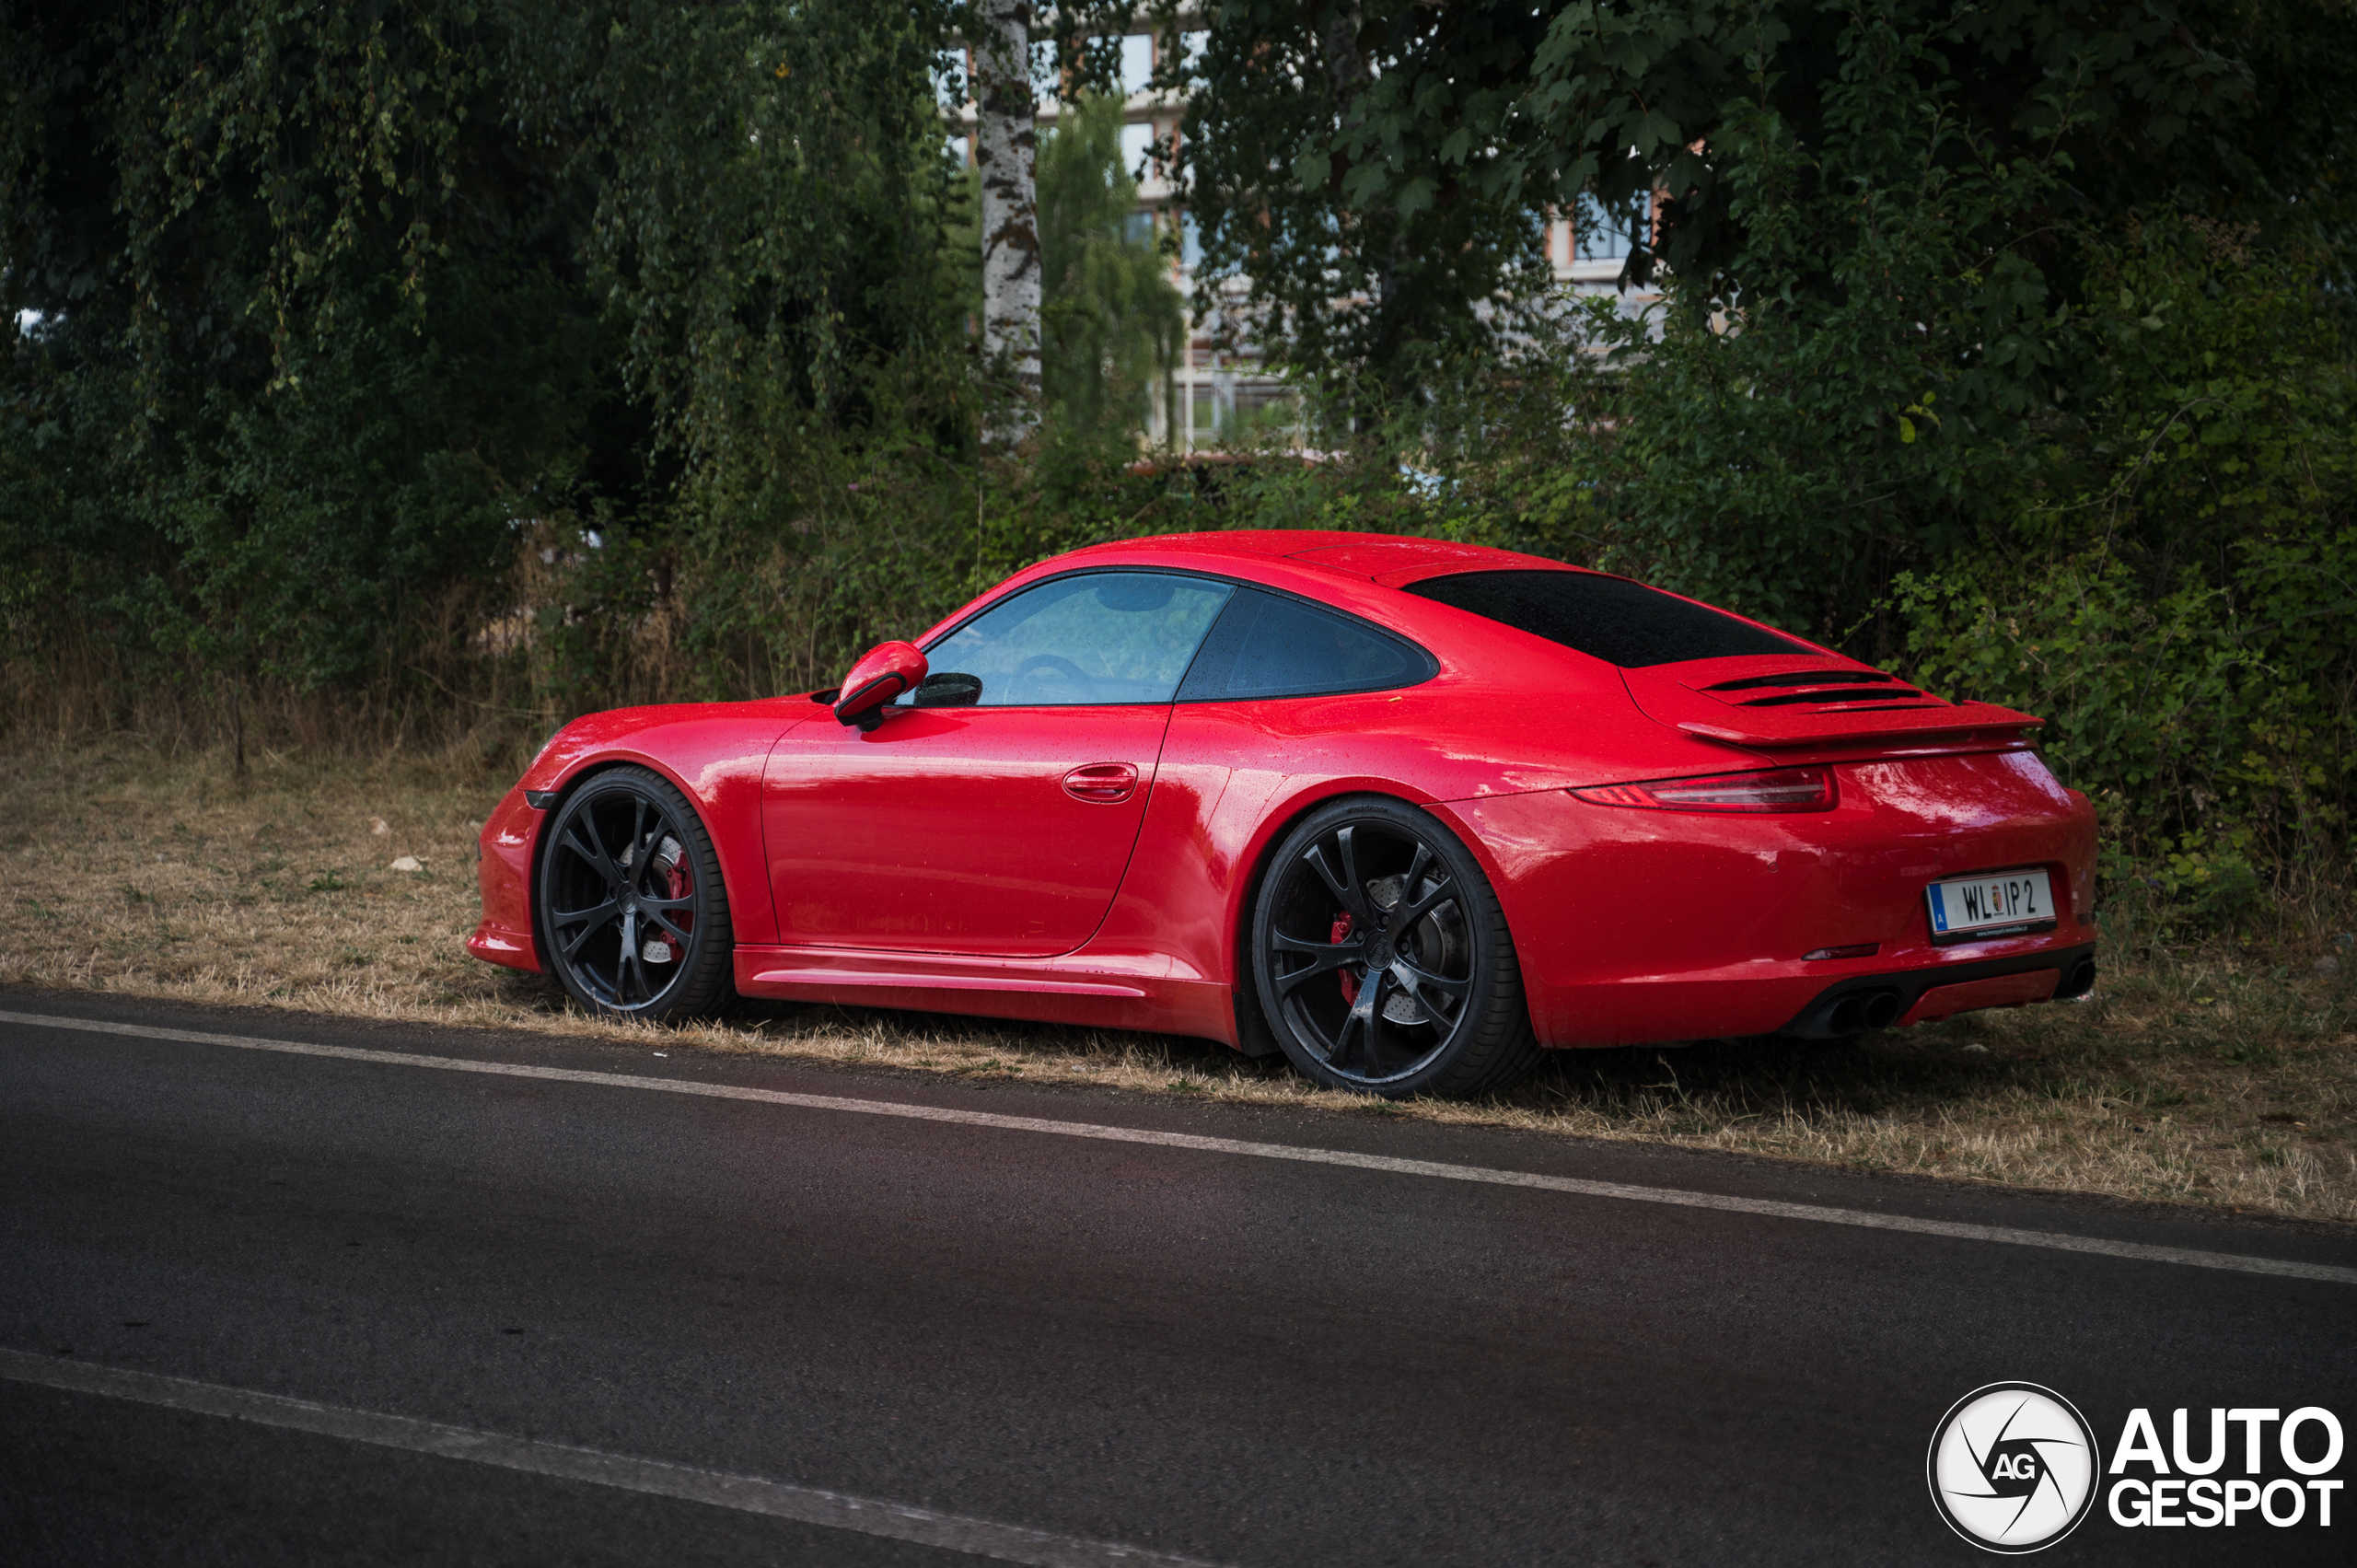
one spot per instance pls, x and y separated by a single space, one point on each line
1007 153
1350 75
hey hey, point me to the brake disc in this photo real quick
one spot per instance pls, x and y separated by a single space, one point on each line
1435 943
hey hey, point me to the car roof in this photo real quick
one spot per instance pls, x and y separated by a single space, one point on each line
1362 574
1391 559
1358 573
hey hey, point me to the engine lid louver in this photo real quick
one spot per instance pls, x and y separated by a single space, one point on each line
1803 678
1767 702
1820 690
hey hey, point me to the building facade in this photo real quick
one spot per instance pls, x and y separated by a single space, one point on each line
1217 392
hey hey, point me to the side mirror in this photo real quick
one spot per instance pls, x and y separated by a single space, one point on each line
883 673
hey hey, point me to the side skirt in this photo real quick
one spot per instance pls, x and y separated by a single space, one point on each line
1053 991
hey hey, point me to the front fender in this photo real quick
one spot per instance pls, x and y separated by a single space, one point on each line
713 753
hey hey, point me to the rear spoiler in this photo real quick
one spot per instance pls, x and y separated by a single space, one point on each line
1770 728
1921 724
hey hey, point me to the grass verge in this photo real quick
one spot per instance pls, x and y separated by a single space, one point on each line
2219 1078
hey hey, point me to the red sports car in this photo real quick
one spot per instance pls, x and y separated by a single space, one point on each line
1406 810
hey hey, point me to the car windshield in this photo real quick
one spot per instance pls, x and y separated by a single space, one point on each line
1612 618
1096 638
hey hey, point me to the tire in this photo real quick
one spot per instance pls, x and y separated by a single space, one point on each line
631 913
1369 878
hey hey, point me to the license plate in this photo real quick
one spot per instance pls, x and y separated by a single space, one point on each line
2006 904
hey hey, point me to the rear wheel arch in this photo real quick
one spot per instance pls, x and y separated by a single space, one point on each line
1509 1047
1274 831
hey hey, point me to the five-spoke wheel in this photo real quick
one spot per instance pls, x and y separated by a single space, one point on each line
632 916
1382 958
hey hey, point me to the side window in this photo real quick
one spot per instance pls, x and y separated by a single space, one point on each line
1096 638
1268 646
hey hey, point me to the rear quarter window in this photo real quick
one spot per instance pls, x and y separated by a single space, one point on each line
1265 644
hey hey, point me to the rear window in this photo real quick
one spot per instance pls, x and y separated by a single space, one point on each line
1612 618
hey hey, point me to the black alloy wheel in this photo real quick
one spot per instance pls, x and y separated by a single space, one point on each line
633 915
1383 960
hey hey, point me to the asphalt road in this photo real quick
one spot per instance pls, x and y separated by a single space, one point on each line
1221 1356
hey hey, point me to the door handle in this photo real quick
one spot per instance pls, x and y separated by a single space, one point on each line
1105 784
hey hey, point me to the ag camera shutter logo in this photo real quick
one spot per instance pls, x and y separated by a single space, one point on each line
2013 1468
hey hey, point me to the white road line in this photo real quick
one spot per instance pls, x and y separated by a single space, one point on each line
1812 1213
748 1494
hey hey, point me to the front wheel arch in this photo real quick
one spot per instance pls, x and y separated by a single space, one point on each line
705 979
566 787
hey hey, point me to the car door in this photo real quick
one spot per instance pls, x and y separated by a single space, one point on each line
994 810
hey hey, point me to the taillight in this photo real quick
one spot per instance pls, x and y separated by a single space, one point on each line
1767 789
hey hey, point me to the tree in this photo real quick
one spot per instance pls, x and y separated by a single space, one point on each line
1326 142
309 322
336 303
1861 405
1112 320
2176 592
1366 258
1007 152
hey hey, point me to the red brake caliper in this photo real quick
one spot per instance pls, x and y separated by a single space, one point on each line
676 880
675 885
1350 982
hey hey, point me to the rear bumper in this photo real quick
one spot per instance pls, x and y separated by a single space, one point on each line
1636 926
1922 995
1783 996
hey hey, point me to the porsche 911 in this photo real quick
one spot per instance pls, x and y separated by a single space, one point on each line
1408 811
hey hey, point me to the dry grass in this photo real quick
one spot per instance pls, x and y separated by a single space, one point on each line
2226 1081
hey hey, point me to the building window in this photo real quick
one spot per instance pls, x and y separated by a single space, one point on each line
1137 147
1267 403
1600 234
1137 64
952 77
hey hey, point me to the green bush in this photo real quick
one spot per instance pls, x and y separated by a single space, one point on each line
2176 590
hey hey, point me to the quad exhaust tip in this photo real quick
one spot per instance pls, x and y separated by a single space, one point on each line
1854 1012
1864 1010
1851 1013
